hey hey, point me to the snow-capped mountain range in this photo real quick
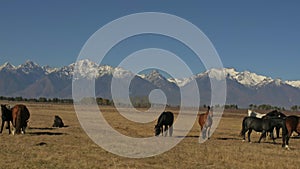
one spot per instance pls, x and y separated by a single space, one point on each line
32 80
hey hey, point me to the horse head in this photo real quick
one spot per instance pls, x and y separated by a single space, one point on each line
157 130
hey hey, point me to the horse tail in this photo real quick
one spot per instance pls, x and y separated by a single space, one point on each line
18 123
25 114
243 127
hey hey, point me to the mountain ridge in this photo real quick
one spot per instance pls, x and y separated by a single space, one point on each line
243 88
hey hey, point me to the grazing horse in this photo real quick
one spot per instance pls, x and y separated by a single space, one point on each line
6 117
205 121
252 113
292 124
273 114
165 119
263 126
20 116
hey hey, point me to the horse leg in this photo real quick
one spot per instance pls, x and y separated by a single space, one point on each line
8 124
171 131
249 134
272 136
166 128
23 130
208 132
204 132
201 129
243 134
277 131
2 126
263 134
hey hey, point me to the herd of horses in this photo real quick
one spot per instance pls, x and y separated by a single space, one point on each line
19 115
263 123
268 122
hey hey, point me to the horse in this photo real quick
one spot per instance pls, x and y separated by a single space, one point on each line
205 121
252 113
20 116
292 124
6 117
263 126
165 119
278 114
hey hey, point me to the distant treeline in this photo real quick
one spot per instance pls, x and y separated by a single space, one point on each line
138 102
261 107
99 101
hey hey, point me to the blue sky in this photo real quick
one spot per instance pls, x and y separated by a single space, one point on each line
259 36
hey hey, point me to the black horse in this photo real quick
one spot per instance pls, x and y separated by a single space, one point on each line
58 122
264 126
6 117
274 114
165 119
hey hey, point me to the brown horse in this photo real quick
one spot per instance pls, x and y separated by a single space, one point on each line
205 122
292 124
20 116
6 117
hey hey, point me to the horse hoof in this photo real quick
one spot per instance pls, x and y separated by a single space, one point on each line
287 147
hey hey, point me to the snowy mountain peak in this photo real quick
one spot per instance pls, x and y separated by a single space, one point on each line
88 69
247 78
154 75
84 68
49 69
30 66
294 83
7 66
119 72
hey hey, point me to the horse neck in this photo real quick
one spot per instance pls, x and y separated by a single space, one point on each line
6 110
207 113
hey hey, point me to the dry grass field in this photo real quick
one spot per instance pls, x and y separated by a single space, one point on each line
46 147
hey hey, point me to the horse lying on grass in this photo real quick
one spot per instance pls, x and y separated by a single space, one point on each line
165 119
263 125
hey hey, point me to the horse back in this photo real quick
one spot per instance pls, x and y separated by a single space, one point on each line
166 118
253 123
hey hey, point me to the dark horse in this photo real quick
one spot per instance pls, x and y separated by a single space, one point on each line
58 122
264 126
205 121
165 119
274 114
20 116
6 117
292 124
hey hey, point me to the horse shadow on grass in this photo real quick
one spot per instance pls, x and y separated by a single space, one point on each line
41 128
227 138
39 133
45 131
188 136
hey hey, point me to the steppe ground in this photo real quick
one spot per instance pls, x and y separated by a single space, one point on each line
69 147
